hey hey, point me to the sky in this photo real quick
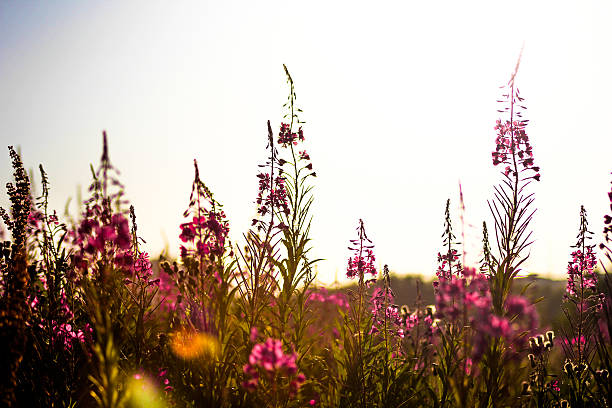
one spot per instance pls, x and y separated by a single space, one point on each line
398 98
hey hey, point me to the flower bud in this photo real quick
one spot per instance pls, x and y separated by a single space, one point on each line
532 343
532 360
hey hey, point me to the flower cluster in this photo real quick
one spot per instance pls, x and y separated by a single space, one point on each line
470 296
208 229
385 314
581 286
268 358
102 234
271 197
362 262
323 296
446 263
580 272
143 272
287 138
513 148
62 324
361 265
423 319
208 233
470 291
67 334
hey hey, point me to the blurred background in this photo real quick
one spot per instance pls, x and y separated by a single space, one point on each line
398 99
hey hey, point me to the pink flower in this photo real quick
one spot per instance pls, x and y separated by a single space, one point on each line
269 358
362 262
287 138
512 144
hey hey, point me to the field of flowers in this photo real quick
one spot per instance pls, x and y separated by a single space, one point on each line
88 319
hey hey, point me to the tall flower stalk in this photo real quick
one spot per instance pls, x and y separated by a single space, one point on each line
295 267
603 329
257 262
14 308
581 308
360 264
512 213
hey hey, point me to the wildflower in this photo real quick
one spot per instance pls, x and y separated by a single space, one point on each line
287 138
206 233
513 148
554 385
268 358
362 262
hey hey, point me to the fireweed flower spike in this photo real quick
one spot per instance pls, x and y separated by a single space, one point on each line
512 205
448 262
208 229
581 305
512 212
272 200
362 262
268 363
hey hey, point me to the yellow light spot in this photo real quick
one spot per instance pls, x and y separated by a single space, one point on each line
190 344
142 393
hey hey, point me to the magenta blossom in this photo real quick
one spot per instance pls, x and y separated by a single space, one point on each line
269 361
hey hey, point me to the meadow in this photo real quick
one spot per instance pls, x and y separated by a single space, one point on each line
88 319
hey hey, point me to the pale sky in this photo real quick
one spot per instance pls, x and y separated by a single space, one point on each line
399 100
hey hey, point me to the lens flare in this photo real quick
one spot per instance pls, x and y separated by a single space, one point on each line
190 344
142 392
